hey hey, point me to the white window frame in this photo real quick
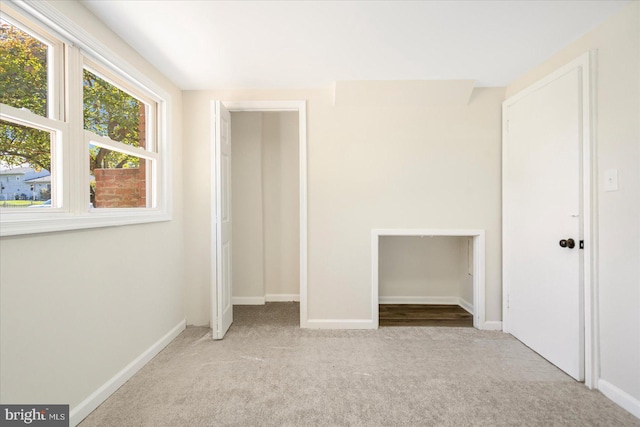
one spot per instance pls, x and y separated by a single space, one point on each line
71 147
58 175
151 134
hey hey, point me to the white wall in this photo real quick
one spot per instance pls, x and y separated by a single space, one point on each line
617 130
281 203
265 204
197 218
246 214
77 306
424 267
385 164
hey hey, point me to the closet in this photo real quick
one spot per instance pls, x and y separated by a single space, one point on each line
265 207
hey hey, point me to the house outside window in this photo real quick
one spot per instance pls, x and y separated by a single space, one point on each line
83 138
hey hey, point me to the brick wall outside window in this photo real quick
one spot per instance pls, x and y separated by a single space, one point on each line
123 188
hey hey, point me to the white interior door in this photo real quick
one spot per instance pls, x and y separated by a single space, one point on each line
542 211
222 305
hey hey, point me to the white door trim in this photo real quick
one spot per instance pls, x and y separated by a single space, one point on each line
584 64
301 108
478 268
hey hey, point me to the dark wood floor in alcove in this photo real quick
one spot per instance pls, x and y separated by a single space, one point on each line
424 315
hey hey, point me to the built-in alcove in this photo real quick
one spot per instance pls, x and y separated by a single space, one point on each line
431 267
426 270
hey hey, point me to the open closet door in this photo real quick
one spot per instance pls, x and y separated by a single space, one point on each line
222 306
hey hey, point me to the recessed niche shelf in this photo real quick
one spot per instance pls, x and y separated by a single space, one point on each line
478 264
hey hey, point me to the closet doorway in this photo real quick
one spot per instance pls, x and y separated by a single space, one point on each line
231 202
265 207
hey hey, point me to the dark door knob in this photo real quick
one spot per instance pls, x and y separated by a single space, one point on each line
568 243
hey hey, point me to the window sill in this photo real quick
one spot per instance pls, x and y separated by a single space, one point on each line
52 222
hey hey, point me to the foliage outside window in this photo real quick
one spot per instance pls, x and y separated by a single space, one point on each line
112 113
23 72
44 133
24 148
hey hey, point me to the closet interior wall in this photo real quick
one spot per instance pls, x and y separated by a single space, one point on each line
265 205
426 270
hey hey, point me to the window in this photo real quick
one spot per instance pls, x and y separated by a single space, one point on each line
25 71
119 129
29 122
83 133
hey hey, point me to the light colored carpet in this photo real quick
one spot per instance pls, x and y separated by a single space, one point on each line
268 372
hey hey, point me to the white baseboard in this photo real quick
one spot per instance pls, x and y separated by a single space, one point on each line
282 297
419 300
492 325
466 305
96 398
620 397
247 300
341 324
266 298
428 300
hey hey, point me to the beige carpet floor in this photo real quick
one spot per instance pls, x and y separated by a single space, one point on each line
268 372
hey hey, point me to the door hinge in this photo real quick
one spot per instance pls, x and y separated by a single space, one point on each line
508 302
581 244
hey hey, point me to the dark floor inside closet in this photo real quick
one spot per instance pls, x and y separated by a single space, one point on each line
424 315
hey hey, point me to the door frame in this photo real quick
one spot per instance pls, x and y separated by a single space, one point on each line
585 64
276 106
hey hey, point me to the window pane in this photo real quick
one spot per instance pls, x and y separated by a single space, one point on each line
20 145
23 70
118 180
113 113
25 165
